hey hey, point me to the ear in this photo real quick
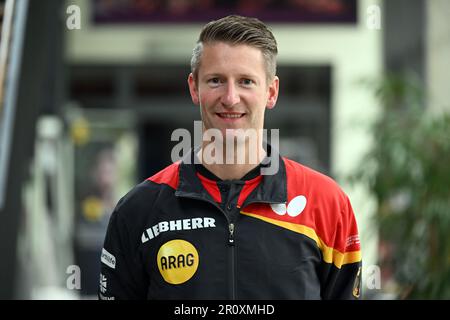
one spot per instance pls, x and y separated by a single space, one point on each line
193 89
273 92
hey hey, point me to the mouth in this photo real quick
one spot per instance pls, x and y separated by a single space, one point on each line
230 115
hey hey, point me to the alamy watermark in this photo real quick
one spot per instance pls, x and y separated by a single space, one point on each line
73 21
373 17
373 277
73 281
371 281
231 149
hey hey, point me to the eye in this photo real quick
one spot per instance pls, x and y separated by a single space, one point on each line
247 82
214 81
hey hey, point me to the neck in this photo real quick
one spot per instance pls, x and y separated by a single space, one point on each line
235 162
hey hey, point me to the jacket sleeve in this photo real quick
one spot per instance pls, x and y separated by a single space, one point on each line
122 275
343 275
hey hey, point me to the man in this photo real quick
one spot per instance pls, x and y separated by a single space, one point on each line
200 229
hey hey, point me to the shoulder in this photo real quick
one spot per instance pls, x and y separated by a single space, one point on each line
327 208
141 199
168 176
302 178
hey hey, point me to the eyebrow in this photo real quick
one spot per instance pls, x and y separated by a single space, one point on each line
242 75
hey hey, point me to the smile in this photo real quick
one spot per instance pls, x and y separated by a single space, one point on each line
231 115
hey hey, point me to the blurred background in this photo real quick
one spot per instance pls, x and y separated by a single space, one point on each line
90 92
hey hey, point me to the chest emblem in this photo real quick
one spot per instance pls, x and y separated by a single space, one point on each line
177 261
293 209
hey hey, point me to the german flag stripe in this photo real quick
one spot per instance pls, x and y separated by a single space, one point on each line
330 255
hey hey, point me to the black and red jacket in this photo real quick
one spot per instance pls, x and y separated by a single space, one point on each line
184 234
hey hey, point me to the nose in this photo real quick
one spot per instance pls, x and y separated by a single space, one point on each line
231 95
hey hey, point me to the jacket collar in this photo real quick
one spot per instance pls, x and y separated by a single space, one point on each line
272 189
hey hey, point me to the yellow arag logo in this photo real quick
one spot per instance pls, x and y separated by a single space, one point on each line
177 261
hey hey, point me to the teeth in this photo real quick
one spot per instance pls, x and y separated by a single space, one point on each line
230 115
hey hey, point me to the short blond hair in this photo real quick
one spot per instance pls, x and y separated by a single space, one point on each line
235 30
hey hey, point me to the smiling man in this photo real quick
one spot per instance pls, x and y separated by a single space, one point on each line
225 230
233 87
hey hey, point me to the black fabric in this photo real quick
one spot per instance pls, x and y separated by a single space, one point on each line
273 188
252 174
239 256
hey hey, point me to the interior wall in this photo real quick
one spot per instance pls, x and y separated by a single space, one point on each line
438 54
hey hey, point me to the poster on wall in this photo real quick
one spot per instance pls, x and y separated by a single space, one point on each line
192 11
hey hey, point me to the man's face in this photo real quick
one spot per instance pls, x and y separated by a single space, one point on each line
232 87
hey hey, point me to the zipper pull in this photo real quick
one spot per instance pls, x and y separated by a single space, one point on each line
231 237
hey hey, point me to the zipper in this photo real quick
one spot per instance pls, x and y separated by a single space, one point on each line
230 242
232 260
231 236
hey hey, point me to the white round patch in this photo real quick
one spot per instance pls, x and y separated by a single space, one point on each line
296 206
279 208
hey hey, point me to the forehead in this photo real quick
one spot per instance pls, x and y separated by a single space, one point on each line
221 57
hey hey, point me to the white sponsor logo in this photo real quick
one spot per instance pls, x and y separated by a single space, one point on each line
293 209
173 225
102 283
108 259
352 240
102 297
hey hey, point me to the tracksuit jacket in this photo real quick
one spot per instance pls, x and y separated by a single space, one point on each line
185 234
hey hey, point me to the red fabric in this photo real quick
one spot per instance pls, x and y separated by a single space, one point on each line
328 211
249 186
211 187
169 176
